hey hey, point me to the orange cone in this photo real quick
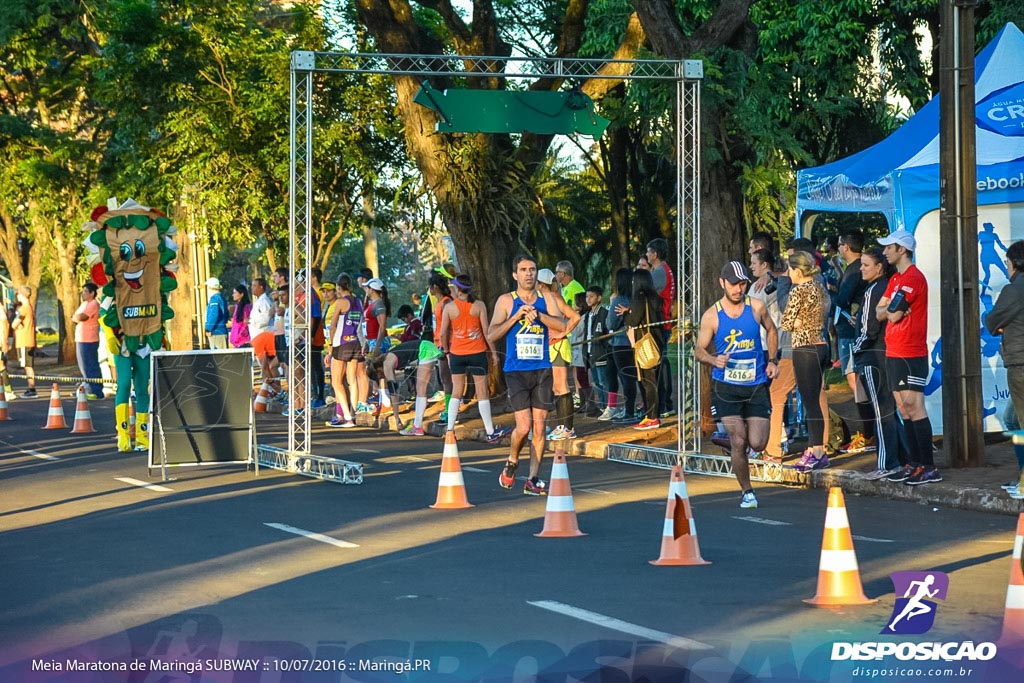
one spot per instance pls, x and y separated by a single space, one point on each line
679 545
131 418
560 516
3 404
838 574
262 399
83 418
55 416
451 489
1013 618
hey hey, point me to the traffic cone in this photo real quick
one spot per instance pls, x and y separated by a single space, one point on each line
838 574
83 418
1013 618
262 399
451 489
131 419
55 415
560 515
3 405
679 545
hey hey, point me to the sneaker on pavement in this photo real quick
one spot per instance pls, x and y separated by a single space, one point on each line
1009 485
92 397
293 413
437 397
879 474
925 476
902 474
749 500
363 408
559 433
339 421
818 463
804 463
443 417
29 393
411 430
535 487
647 423
317 403
1016 494
498 434
856 444
606 414
667 413
508 474
9 393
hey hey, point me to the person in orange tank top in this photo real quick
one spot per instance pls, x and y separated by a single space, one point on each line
463 339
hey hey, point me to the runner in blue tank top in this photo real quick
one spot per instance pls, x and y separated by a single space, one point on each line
740 372
525 317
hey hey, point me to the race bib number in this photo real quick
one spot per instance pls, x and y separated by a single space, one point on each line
741 371
530 346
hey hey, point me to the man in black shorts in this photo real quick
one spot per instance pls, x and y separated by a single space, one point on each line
525 317
740 369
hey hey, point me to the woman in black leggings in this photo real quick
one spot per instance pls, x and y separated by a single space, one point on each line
805 316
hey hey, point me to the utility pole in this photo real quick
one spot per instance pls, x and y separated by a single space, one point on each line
963 436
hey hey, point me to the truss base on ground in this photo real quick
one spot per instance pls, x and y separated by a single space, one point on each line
692 463
313 466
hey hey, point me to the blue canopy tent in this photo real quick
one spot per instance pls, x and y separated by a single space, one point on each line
899 178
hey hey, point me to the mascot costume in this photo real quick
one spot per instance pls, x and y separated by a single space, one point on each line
130 254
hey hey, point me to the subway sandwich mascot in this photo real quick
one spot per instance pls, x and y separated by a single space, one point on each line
130 253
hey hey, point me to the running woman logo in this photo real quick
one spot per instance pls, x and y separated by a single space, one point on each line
914 613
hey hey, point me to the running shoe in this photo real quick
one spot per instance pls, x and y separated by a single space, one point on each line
498 434
535 487
1009 485
559 433
508 474
317 403
1016 494
902 474
857 444
363 408
880 474
925 476
668 413
339 421
804 463
29 393
437 397
9 393
295 413
749 500
443 417
411 430
819 463
914 472
606 414
647 423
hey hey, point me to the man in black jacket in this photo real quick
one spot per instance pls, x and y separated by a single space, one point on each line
851 292
1007 319
595 353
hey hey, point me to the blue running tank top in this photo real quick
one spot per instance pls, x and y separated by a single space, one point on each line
741 339
526 346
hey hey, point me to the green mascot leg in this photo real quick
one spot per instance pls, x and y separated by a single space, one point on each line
140 375
124 390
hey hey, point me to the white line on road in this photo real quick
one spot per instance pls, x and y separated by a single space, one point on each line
607 493
364 450
37 454
143 484
621 626
872 540
474 469
762 520
310 535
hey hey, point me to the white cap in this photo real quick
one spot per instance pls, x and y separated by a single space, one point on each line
546 276
213 283
375 283
901 237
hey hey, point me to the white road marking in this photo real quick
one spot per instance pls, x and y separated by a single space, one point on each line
607 493
364 450
37 454
762 520
619 625
872 540
143 484
310 535
474 469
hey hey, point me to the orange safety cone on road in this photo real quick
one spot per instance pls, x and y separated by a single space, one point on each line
262 399
55 415
679 545
83 418
838 574
1013 618
3 404
451 489
560 516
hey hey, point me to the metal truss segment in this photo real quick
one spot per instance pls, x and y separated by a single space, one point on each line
313 466
692 463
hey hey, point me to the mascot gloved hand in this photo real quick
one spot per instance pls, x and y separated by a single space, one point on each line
132 250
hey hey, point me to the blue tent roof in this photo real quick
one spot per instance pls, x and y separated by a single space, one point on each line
899 176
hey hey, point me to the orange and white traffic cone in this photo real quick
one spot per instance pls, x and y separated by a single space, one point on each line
679 545
451 489
55 415
560 515
838 574
1013 618
3 404
262 399
83 418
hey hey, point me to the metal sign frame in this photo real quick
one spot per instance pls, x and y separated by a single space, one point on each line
687 74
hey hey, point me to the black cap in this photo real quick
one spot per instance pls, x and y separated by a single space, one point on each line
734 272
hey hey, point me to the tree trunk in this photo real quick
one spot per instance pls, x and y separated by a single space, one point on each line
617 174
68 290
181 330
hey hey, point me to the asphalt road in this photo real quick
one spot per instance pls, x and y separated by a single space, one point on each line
220 564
